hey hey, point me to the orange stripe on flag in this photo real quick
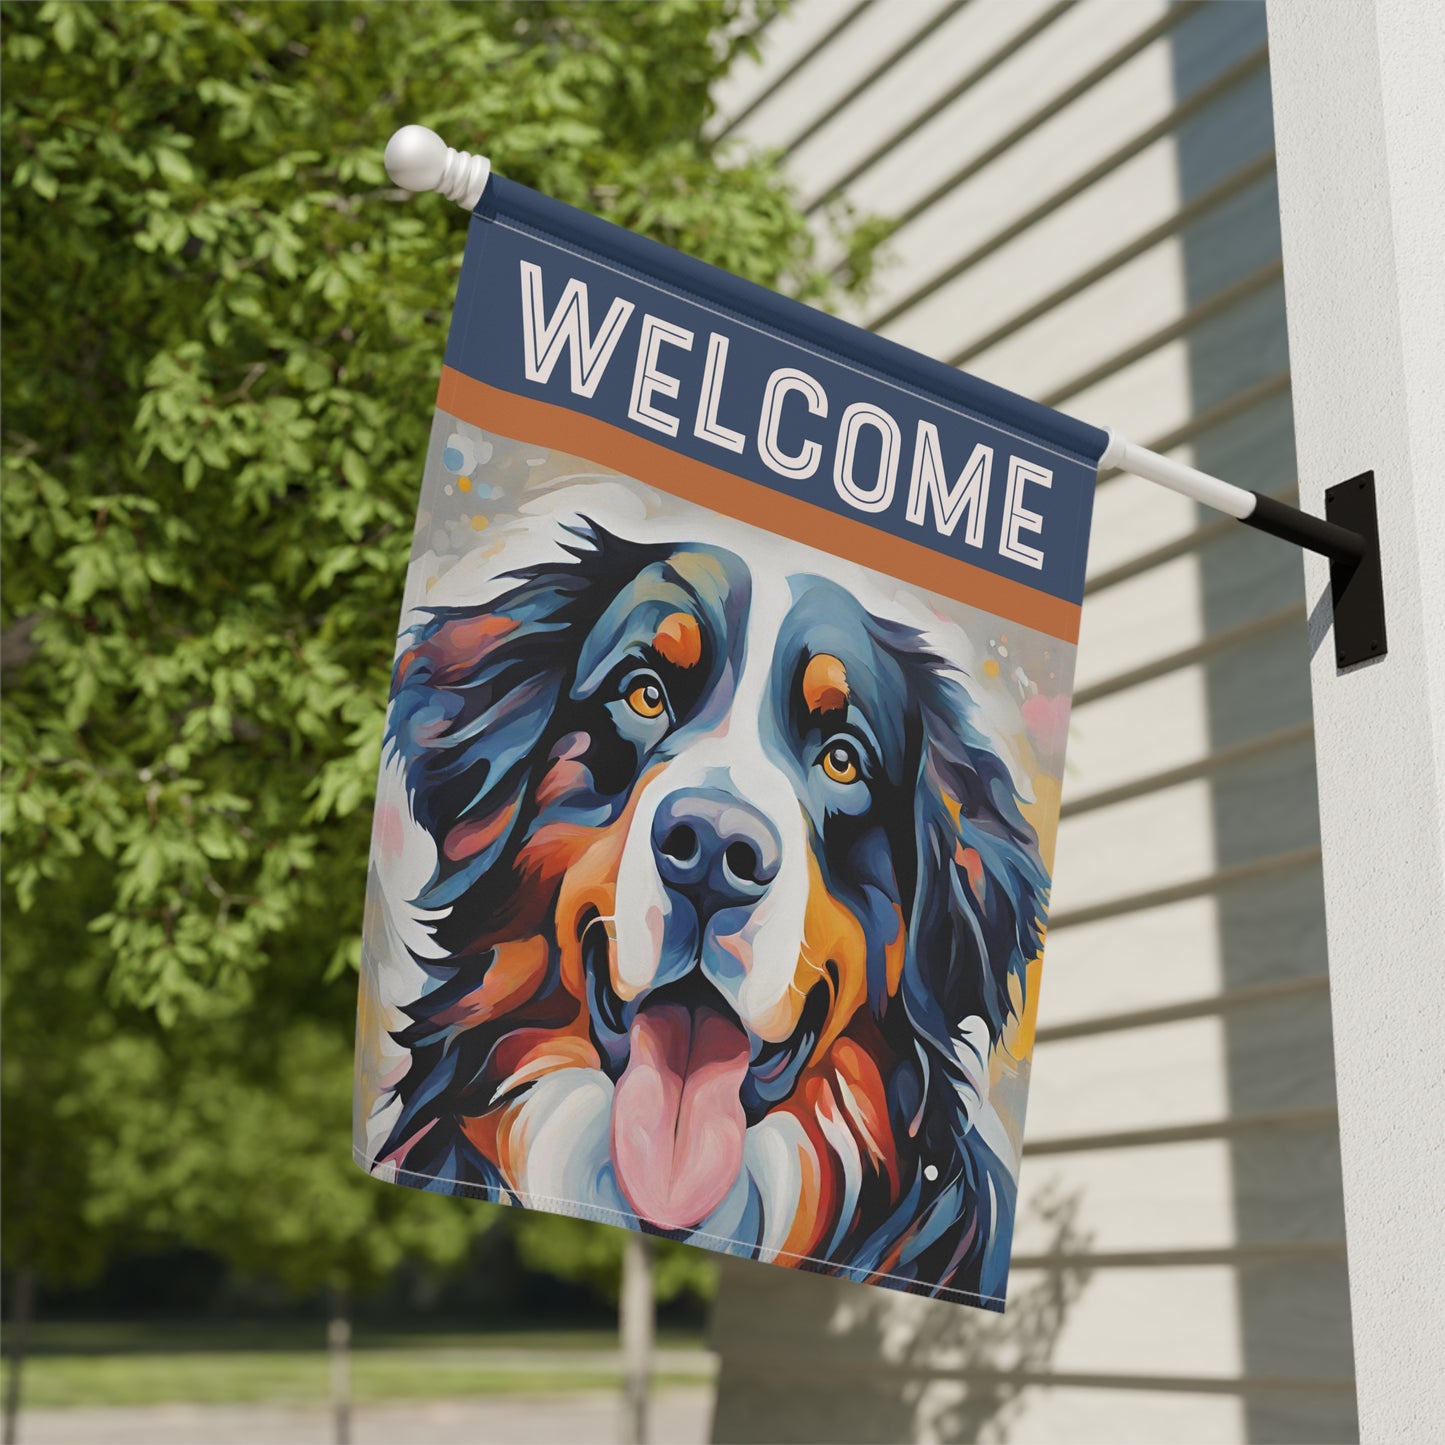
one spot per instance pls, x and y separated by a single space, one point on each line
543 423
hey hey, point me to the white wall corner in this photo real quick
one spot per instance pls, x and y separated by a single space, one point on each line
1359 116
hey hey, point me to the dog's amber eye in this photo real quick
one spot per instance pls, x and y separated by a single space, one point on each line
646 698
840 763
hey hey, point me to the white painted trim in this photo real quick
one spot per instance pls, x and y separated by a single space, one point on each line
1359 113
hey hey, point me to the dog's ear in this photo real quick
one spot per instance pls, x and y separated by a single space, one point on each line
980 888
474 692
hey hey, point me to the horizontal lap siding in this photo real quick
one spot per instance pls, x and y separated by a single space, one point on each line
1096 226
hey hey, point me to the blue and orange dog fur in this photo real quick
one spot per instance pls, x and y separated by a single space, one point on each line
732 902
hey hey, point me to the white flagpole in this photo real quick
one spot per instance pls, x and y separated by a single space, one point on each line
418 159
1188 481
1253 508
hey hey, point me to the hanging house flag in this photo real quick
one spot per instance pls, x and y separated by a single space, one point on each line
721 771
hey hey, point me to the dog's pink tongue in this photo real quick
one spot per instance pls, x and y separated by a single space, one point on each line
677 1120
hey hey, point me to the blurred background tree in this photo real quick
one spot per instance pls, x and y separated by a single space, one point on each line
223 330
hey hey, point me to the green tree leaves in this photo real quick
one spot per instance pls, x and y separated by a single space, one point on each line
223 333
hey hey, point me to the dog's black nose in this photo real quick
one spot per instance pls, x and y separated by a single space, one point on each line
714 849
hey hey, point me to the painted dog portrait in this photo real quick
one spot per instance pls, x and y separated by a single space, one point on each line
728 900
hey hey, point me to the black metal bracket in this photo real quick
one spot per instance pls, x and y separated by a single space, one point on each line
1349 535
1357 591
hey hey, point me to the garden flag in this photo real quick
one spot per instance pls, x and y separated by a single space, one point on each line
721 770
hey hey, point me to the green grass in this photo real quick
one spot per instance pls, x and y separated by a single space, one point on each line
103 1365
164 1336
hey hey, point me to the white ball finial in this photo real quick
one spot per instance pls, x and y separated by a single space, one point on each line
415 158
418 159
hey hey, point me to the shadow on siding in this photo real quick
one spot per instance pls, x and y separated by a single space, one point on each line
1294 1314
